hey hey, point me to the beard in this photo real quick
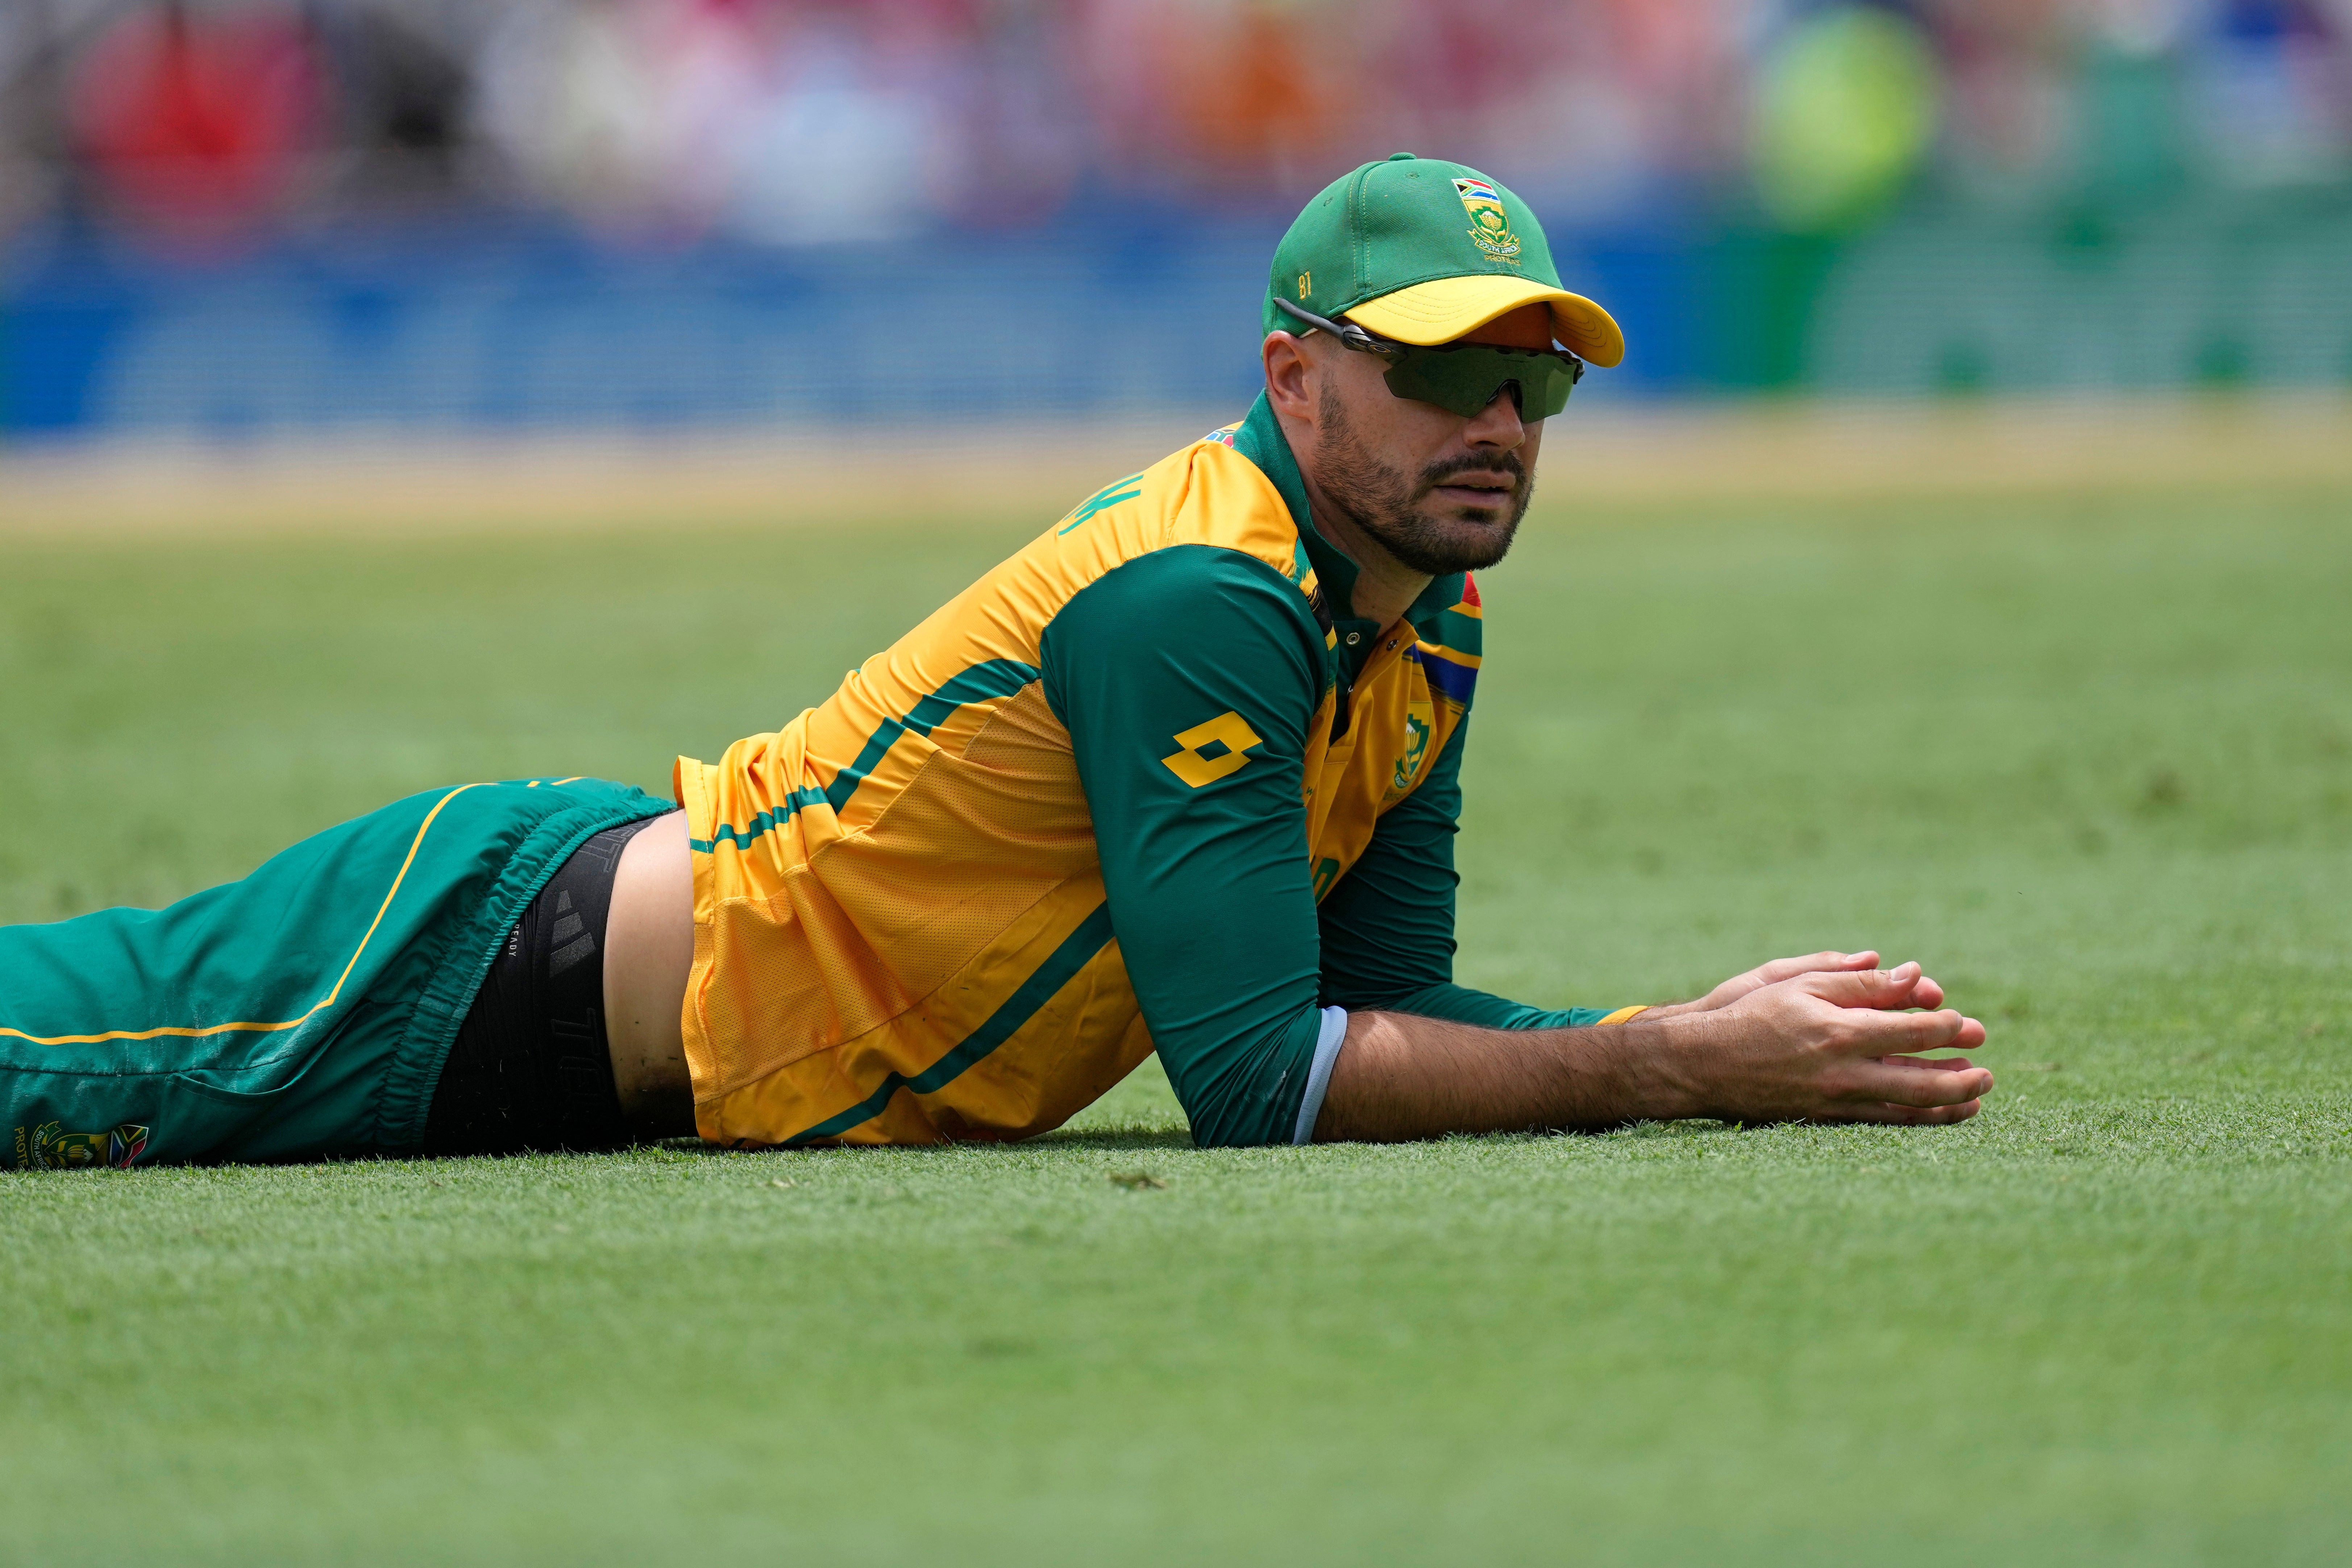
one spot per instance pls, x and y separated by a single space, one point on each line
1392 508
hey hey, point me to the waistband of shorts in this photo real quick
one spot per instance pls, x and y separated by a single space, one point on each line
440 1008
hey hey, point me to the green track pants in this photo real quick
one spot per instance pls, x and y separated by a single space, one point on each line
303 1011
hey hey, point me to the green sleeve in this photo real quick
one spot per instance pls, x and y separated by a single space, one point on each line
1207 874
1388 925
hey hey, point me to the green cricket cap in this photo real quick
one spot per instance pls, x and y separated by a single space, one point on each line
1421 251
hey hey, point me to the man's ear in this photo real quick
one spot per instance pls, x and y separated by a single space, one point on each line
1289 377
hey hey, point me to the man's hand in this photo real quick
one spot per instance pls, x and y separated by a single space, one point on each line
1821 1044
1833 1046
1928 993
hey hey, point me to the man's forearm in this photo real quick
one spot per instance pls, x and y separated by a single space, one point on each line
1401 1077
1824 1045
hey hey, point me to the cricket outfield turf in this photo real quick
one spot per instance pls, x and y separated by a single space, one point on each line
2089 757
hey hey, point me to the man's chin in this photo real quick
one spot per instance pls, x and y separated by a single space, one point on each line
1475 521
1470 540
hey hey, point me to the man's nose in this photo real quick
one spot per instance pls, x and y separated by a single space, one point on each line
1497 426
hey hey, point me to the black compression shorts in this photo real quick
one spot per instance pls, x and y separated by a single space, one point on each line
531 1067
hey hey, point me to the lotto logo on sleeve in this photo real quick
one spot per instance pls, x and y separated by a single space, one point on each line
1212 750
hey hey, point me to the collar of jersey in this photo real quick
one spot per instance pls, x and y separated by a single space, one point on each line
1261 440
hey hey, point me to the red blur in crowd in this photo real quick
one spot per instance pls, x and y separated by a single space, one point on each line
214 119
196 125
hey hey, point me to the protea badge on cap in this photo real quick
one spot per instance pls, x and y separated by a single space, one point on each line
1421 251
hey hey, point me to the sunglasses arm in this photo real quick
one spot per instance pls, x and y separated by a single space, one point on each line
1349 334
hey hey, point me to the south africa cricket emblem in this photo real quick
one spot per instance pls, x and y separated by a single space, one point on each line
51 1148
1418 724
1490 226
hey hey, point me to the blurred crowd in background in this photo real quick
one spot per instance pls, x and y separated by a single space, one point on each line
1699 156
798 121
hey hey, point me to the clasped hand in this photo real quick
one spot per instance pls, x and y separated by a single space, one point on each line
1826 1037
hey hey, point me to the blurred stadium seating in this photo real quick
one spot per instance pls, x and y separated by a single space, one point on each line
230 218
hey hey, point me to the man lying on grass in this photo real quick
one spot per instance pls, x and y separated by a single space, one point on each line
1181 775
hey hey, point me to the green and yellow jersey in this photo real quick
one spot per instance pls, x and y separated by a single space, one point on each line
1144 786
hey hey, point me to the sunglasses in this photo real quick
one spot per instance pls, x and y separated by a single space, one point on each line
1464 378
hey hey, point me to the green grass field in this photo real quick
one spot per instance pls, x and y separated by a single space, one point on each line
2090 759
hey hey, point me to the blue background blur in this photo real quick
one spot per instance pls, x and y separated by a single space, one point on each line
227 219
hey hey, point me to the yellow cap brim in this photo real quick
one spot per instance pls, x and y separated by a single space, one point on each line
1443 309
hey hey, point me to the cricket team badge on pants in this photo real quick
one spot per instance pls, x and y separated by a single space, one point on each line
50 1147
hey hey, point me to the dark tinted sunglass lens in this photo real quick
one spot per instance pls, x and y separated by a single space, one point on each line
1429 378
1547 390
1464 381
